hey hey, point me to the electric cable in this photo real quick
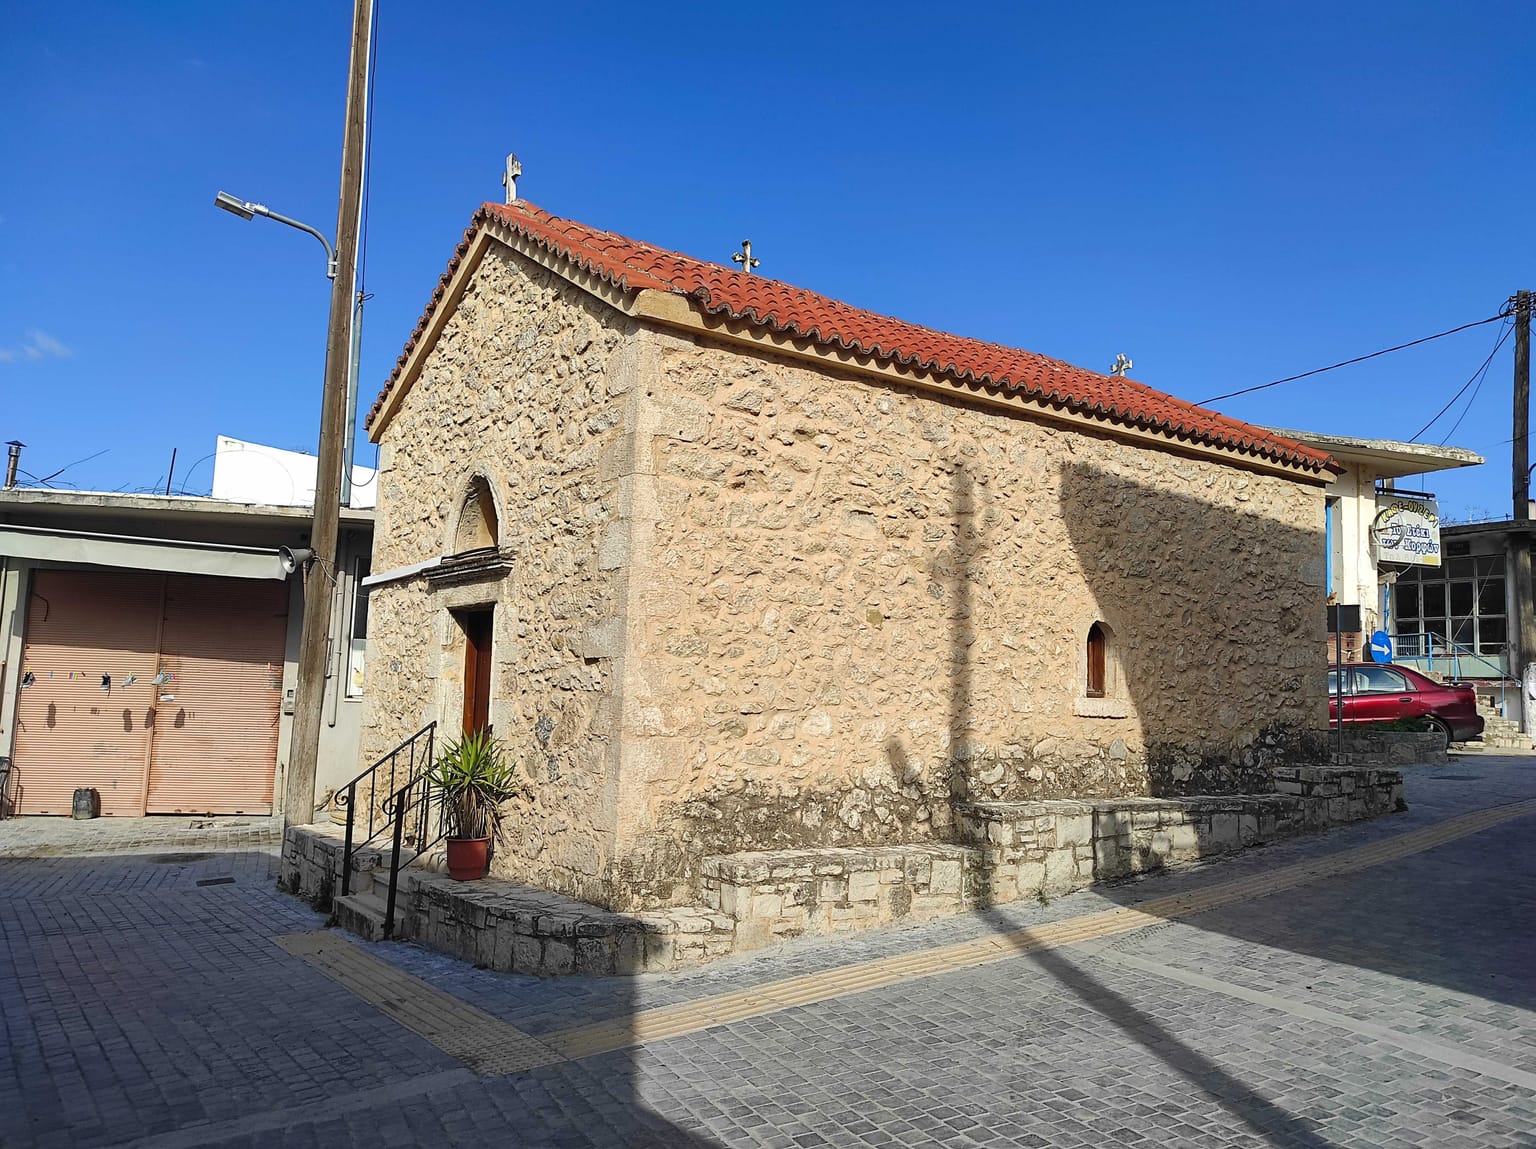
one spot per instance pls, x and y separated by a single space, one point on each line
1357 359
1475 377
1481 377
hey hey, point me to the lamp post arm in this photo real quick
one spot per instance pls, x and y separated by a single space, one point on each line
330 254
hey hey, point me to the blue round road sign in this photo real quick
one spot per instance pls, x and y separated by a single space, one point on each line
1381 646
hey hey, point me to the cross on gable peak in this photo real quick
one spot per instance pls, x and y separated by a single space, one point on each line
745 258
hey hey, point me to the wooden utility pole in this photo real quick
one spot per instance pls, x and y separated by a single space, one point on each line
1522 441
1519 538
319 578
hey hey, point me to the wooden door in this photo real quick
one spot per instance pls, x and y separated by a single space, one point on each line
477 626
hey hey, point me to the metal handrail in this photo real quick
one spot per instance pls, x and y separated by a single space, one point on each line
401 803
417 752
1425 647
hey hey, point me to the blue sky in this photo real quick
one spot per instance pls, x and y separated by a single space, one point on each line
1227 193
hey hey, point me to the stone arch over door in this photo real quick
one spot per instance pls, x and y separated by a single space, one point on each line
477 520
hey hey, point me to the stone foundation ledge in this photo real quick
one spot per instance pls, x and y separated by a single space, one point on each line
503 925
773 895
311 861
1364 747
1045 849
514 928
1009 850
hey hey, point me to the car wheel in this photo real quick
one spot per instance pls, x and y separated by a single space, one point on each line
1438 727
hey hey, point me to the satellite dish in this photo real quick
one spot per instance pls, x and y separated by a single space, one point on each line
292 558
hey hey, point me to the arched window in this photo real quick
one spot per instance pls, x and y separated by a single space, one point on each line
1098 645
477 527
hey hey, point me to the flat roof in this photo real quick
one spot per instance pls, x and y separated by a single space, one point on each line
1390 458
189 507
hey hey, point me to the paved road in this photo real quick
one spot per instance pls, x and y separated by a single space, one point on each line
1390 1004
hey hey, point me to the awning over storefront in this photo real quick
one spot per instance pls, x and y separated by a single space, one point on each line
177 556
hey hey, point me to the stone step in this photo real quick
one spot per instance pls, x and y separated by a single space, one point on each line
362 914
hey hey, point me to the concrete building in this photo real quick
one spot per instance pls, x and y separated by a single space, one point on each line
148 648
1459 620
1358 500
730 566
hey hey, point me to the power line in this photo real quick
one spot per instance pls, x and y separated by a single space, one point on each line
1475 377
76 463
1471 399
1357 359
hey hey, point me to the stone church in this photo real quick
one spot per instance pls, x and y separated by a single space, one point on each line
730 565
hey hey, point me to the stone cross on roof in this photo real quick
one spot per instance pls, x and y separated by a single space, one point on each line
744 257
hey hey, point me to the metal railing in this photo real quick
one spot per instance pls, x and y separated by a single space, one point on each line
411 805
1434 653
384 789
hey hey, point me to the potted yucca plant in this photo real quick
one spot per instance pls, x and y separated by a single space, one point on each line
472 779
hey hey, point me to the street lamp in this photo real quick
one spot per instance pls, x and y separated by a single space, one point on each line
331 461
247 210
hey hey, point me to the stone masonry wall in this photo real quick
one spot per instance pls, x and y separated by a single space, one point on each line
527 386
858 605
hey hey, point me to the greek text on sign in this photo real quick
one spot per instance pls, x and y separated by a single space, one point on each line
1407 531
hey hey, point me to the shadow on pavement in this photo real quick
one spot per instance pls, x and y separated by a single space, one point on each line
143 996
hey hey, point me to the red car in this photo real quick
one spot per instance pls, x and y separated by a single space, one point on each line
1375 692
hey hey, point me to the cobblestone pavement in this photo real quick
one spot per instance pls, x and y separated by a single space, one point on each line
62 837
1388 1006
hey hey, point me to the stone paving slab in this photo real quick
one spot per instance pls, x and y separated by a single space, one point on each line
541 1005
65 837
141 1008
482 1042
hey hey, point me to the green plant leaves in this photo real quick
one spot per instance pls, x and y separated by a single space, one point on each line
472 778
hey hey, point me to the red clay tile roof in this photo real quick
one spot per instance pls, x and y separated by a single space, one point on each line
802 314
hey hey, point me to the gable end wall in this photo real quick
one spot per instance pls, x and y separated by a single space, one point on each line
530 386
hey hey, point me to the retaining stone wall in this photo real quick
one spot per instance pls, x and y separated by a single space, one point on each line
1366 747
1012 850
310 867
777 895
517 929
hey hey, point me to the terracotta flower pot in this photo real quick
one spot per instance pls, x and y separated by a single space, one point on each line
468 858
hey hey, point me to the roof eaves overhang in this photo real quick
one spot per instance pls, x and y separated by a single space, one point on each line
676 310
1389 458
33 502
682 312
134 552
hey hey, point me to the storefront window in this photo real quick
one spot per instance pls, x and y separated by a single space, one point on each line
1461 602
